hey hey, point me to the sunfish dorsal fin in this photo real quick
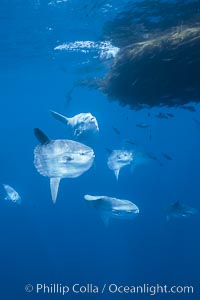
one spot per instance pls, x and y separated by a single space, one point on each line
177 204
59 117
92 198
117 173
42 138
54 185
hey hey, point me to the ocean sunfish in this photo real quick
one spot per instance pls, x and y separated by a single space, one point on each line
119 159
59 159
80 125
11 194
109 207
180 210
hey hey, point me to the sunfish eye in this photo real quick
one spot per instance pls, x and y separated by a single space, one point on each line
82 153
68 158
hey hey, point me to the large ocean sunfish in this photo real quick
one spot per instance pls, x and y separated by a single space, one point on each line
109 207
80 125
119 159
59 159
11 194
180 210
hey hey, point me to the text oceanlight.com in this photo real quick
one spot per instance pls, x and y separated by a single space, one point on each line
111 288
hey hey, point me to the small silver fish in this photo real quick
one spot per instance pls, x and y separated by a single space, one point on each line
189 108
109 207
80 125
142 125
116 130
129 141
11 194
166 156
170 115
162 115
152 156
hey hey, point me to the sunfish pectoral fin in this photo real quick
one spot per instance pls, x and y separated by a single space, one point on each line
117 173
54 185
78 131
59 117
42 138
105 218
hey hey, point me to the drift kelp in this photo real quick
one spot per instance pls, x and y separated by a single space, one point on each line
158 62
164 70
141 20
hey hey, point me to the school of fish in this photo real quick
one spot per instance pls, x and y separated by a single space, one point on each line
57 159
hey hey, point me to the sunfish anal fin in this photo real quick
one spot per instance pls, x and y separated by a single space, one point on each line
59 117
105 218
54 185
117 173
